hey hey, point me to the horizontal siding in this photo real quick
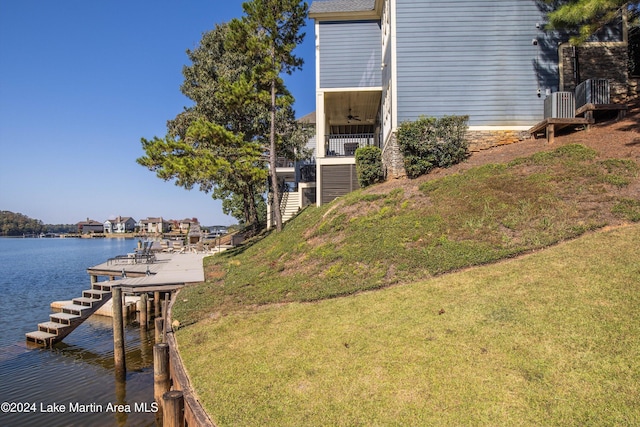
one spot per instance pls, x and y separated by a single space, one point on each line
350 54
473 57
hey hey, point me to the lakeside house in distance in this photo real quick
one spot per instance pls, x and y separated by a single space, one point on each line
90 226
151 226
154 225
120 225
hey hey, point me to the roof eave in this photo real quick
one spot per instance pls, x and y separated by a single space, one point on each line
374 13
345 16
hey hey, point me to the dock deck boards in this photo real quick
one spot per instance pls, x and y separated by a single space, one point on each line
170 271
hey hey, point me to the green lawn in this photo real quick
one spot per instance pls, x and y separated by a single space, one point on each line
415 305
551 338
378 237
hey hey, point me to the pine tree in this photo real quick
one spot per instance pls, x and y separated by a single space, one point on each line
588 16
268 34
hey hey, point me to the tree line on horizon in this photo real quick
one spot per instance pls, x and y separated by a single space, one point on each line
17 224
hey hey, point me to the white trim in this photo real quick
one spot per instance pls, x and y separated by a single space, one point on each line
352 89
394 68
335 161
317 47
318 183
321 122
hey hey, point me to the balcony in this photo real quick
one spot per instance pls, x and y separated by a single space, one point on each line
346 145
283 162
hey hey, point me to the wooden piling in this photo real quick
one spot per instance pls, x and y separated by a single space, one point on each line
161 373
159 324
156 304
149 303
173 409
121 399
143 311
118 334
165 308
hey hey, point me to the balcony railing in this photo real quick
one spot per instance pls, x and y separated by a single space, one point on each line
282 162
346 145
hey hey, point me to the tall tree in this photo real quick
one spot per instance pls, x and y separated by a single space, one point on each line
212 158
268 34
588 16
212 144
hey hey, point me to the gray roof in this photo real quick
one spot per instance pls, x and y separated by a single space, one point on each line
309 118
332 6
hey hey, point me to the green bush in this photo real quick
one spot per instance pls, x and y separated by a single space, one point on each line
369 165
430 142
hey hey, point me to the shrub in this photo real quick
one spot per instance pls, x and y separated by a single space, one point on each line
369 165
430 142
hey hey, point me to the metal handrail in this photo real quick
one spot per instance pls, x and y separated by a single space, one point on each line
345 145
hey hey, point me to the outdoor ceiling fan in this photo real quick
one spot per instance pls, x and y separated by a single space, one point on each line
351 117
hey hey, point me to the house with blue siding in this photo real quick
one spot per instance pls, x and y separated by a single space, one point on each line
382 62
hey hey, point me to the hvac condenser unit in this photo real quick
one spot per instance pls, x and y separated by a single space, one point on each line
560 105
592 91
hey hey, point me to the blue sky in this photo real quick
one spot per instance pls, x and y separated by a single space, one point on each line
81 82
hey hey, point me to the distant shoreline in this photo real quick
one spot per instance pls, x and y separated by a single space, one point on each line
98 236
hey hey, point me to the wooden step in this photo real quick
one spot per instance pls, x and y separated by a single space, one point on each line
95 293
64 318
40 337
102 286
85 301
76 309
52 327
62 324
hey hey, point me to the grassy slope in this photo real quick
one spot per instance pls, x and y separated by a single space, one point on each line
546 339
513 345
368 240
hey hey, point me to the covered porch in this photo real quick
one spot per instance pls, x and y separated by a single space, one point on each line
350 119
347 119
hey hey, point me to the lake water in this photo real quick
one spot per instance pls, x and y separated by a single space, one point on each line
77 375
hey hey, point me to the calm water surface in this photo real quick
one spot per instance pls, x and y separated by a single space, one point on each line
78 371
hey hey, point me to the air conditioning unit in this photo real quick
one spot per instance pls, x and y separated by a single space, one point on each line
560 105
593 91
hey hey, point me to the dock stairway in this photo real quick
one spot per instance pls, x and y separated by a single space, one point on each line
72 315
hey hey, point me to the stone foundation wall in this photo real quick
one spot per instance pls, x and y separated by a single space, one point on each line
483 140
634 88
393 160
596 61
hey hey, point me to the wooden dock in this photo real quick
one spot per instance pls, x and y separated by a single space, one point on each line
168 273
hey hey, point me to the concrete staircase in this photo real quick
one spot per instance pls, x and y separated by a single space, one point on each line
62 324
